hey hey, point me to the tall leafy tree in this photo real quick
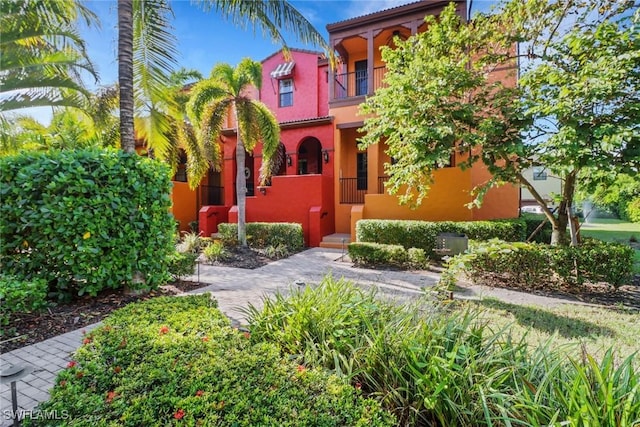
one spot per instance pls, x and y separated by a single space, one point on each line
211 101
574 109
43 56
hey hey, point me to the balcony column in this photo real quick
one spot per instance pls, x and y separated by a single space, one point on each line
373 162
370 87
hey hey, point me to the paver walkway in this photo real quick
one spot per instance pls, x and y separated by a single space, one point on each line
235 288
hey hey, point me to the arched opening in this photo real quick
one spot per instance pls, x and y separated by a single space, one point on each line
310 157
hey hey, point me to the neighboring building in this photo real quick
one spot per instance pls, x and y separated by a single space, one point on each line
545 184
295 89
359 186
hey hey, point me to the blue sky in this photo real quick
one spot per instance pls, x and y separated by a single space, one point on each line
205 39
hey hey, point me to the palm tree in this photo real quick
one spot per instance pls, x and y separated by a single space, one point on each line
43 55
211 100
147 51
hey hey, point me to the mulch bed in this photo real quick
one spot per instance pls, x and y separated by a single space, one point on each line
59 318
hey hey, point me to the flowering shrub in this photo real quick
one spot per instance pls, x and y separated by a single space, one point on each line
177 361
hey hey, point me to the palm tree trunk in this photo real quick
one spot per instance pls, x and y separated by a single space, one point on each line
125 73
241 185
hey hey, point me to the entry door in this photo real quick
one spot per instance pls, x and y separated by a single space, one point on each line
361 171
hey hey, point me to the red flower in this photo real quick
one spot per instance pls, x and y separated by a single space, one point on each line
164 330
86 341
80 375
117 369
199 393
301 368
72 364
123 343
247 335
110 396
63 383
205 339
179 414
358 386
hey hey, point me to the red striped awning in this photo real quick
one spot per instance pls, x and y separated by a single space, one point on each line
283 70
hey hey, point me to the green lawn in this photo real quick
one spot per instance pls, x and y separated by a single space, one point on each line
597 328
613 230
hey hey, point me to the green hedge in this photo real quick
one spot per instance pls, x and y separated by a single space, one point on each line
422 234
262 235
85 220
20 296
378 254
533 265
176 361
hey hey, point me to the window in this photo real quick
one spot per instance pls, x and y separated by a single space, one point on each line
361 171
286 92
539 173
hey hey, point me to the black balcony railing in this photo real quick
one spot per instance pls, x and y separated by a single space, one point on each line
348 85
381 181
211 195
352 190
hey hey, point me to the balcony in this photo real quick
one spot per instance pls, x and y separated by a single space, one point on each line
353 84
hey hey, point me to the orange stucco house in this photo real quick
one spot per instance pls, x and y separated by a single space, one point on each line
326 183
360 184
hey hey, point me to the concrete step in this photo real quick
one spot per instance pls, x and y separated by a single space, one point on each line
335 241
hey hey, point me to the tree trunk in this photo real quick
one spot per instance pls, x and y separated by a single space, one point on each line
555 225
241 186
125 74
559 233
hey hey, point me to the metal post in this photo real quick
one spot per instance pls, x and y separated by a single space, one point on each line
14 404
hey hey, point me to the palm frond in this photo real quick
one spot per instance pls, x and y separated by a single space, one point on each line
43 55
213 118
202 94
274 18
269 131
154 55
249 72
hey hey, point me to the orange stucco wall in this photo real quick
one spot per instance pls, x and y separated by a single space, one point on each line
184 204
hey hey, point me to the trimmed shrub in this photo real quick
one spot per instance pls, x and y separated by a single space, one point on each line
170 361
85 220
422 234
261 235
20 296
534 265
432 366
377 255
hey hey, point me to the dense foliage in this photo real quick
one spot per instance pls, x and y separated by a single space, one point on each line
572 108
177 361
20 296
432 366
85 220
262 235
531 265
423 234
